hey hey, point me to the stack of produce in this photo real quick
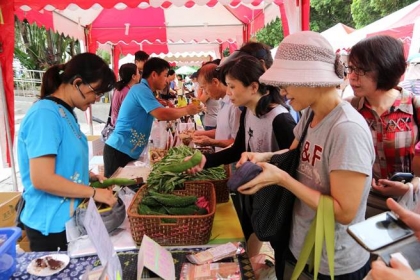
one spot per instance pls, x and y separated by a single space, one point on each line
170 204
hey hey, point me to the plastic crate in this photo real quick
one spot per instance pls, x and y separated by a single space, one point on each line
8 251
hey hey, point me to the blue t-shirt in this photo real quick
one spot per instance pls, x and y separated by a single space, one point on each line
134 121
50 129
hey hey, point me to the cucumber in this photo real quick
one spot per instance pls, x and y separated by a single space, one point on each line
145 210
189 210
182 166
176 201
150 201
113 181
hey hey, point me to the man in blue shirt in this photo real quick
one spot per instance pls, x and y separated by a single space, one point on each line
136 115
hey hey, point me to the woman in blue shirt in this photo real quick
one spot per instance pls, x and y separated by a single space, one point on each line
53 151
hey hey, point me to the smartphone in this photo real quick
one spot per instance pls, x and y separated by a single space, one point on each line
379 231
408 251
402 177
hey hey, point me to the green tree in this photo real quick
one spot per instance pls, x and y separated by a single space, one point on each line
272 34
38 48
367 11
327 13
105 55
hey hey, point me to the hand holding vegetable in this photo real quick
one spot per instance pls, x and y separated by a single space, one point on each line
96 177
199 166
189 162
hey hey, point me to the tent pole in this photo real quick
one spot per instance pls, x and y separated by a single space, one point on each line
8 132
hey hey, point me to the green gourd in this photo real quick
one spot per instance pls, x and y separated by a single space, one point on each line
183 165
113 181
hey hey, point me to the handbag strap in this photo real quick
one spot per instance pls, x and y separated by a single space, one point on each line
109 113
308 122
322 227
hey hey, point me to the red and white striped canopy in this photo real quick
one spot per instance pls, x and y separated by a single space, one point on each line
157 27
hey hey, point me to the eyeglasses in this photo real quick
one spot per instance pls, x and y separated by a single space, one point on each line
98 94
357 71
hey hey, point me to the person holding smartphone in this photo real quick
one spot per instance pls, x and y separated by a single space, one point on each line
375 67
397 270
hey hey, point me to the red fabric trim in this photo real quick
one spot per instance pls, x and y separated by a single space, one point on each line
404 33
41 19
284 21
107 4
7 39
146 24
116 57
305 10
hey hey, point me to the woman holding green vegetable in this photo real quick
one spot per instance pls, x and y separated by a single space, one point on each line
53 151
265 123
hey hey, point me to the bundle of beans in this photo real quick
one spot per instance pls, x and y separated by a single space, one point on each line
169 173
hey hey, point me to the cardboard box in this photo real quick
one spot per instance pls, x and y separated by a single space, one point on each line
8 201
96 145
24 242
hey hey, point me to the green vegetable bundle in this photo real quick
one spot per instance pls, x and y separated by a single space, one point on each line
166 174
169 204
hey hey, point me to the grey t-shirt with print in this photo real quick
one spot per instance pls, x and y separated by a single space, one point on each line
341 141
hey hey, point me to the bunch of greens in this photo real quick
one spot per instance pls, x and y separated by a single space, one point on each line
163 180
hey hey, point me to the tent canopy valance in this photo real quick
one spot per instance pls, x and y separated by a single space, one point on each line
152 26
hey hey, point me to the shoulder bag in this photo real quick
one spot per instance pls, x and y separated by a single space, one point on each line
272 206
109 128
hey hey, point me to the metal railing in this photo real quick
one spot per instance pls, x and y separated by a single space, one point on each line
27 82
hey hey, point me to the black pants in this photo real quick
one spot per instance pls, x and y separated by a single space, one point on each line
45 243
113 159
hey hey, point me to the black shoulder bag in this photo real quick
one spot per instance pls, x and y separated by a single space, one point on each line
272 206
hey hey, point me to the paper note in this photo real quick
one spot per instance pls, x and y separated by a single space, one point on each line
155 258
99 236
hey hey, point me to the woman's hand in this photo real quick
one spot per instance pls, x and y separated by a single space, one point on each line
271 175
389 188
96 177
253 157
410 218
105 196
397 271
198 167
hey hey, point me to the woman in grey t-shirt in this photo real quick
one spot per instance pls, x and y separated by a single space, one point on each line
336 156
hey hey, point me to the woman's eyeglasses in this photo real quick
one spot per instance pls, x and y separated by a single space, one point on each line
357 71
98 94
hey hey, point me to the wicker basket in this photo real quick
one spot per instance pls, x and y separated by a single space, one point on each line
186 230
221 188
